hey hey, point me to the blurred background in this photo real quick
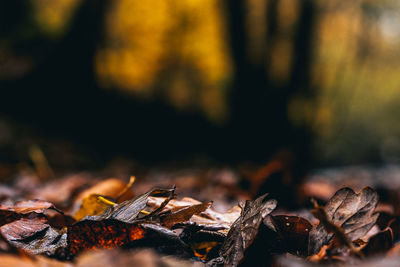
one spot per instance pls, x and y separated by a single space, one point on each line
311 83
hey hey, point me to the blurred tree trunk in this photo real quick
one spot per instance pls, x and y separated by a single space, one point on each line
260 126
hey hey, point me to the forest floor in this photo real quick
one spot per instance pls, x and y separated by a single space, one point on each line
205 216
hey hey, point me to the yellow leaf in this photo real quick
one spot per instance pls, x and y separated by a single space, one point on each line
93 204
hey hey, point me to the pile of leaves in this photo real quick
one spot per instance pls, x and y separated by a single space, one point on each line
106 222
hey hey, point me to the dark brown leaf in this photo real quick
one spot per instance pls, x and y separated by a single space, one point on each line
294 232
379 243
205 242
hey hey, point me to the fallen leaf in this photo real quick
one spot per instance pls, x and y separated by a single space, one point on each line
184 214
96 203
129 210
24 228
354 213
209 217
339 237
23 209
110 188
244 230
379 243
34 236
93 204
119 225
293 231
109 233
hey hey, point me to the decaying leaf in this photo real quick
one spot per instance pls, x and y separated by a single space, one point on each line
293 231
23 228
354 213
244 230
27 226
337 232
109 233
379 243
190 229
88 234
34 236
23 209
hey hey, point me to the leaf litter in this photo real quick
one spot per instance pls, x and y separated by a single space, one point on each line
106 220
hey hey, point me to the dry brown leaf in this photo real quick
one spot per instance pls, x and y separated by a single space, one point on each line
23 228
354 213
184 214
34 236
21 209
245 229
209 217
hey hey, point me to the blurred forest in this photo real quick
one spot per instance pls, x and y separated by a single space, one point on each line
312 82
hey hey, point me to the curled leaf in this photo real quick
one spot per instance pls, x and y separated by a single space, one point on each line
129 210
33 235
245 229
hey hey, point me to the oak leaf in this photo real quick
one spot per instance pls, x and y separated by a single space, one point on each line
354 213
